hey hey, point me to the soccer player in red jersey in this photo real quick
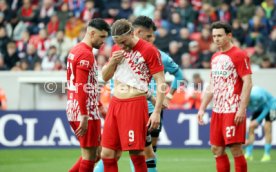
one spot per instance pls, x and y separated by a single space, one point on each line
229 88
82 104
132 64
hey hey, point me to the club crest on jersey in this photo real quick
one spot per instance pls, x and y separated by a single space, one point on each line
84 63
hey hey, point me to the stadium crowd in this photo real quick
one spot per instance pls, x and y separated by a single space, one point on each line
37 35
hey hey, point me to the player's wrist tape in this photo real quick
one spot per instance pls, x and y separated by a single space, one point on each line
149 94
169 96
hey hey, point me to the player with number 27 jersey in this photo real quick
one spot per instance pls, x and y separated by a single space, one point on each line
228 68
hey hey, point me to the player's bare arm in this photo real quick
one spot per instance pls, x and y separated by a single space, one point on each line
207 97
245 96
154 120
109 69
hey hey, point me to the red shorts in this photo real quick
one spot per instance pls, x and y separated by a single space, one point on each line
223 130
125 124
92 137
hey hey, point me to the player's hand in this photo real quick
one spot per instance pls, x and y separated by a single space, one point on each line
117 57
240 116
200 115
254 124
81 130
102 111
154 121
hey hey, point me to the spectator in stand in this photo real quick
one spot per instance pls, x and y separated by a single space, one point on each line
125 9
184 39
175 24
259 54
26 13
159 21
2 63
245 12
186 61
4 8
23 43
53 25
224 13
143 8
89 12
175 52
17 28
3 100
268 6
194 52
272 43
257 31
206 15
50 60
46 11
238 31
73 27
205 39
112 11
63 45
187 14
31 60
63 15
162 39
76 6
267 62
11 57
194 93
4 39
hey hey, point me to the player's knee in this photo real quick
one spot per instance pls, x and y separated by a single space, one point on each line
218 151
236 150
108 153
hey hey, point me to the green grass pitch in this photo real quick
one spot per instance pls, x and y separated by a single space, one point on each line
169 160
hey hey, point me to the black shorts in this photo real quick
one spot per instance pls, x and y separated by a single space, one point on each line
155 133
256 114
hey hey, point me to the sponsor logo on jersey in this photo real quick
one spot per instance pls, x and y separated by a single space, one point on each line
84 63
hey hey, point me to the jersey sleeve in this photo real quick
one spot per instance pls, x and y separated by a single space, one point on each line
153 60
243 64
84 64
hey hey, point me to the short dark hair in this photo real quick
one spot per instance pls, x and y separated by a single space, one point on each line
145 22
221 25
99 24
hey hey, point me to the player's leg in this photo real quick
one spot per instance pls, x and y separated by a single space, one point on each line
155 134
268 139
150 156
234 137
138 160
89 144
251 137
89 156
218 144
240 162
100 166
109 159
222 160
133 130
111 138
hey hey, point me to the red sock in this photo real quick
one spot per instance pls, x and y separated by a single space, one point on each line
222 163
110 165
86 165
139 163
240 164
76 166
